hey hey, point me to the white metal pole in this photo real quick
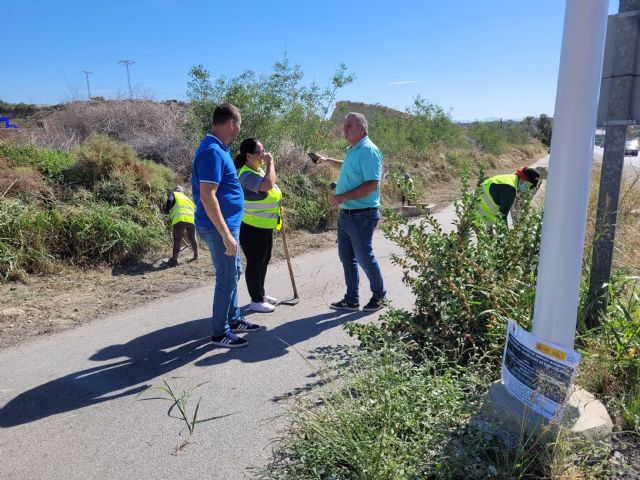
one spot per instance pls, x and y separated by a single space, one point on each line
565 207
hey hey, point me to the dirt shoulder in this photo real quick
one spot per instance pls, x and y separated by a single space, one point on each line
48 304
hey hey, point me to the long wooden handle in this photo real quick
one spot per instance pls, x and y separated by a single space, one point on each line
286 254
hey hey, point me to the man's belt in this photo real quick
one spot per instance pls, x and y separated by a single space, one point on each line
357 210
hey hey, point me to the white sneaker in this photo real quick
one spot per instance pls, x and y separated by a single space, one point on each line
262 307
269 299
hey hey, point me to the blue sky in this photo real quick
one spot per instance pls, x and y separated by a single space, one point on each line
476 58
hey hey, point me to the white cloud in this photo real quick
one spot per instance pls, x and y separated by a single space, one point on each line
402 82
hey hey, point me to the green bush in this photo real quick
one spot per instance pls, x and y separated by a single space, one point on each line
466 283
106 208
98 157
611 353
112 169
100 232
424 127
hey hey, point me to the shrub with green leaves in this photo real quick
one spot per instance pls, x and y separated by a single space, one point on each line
424 127
466 283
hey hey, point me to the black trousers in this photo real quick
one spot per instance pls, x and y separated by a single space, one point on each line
257 244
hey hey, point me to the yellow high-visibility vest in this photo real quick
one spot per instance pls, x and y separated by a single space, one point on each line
263 213
183 209
487 208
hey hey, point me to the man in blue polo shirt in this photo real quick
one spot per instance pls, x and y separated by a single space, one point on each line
219 207
358 196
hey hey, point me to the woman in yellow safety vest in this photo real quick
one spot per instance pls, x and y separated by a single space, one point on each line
262 203
498 193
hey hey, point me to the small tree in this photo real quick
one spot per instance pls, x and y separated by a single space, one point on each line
277 108
544 129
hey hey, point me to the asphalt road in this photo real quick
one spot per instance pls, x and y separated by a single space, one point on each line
70 404
631 164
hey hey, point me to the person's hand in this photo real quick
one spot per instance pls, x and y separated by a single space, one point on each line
335 200
267 158
230 245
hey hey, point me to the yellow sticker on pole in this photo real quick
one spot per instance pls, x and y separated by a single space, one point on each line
552 352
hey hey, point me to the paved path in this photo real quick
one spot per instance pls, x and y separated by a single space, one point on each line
69 402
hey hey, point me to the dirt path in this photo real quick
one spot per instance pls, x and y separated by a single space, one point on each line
45 305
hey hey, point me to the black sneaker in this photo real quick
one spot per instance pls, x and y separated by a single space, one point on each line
242 326
229 340
374 305
344 305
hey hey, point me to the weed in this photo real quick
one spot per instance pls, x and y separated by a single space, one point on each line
180 401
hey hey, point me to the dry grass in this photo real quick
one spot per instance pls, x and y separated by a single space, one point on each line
156 130
18 180
627 241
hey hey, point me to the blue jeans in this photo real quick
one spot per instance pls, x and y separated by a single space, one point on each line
355 247
228 272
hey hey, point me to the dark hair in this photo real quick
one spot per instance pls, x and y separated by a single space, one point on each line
532 175
225 112
248 145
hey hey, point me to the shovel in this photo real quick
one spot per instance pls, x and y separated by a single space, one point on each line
295 300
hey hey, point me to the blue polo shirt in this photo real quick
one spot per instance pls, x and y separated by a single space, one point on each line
362 162
212 163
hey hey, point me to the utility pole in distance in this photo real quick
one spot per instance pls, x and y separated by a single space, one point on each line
126 64
617 111
86 74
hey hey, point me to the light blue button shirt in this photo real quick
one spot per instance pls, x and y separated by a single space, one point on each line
362 163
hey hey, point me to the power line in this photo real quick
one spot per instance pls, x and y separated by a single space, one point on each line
88 88
126 64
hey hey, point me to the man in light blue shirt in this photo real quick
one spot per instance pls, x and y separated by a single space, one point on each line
358 196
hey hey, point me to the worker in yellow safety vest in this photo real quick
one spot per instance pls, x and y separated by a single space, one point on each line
262 215
498 193
181 214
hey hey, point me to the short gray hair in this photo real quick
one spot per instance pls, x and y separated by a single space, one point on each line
360 118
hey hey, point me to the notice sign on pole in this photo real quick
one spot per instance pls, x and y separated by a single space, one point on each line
539 374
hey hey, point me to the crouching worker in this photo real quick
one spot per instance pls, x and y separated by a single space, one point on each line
262 202
181 213
499 192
